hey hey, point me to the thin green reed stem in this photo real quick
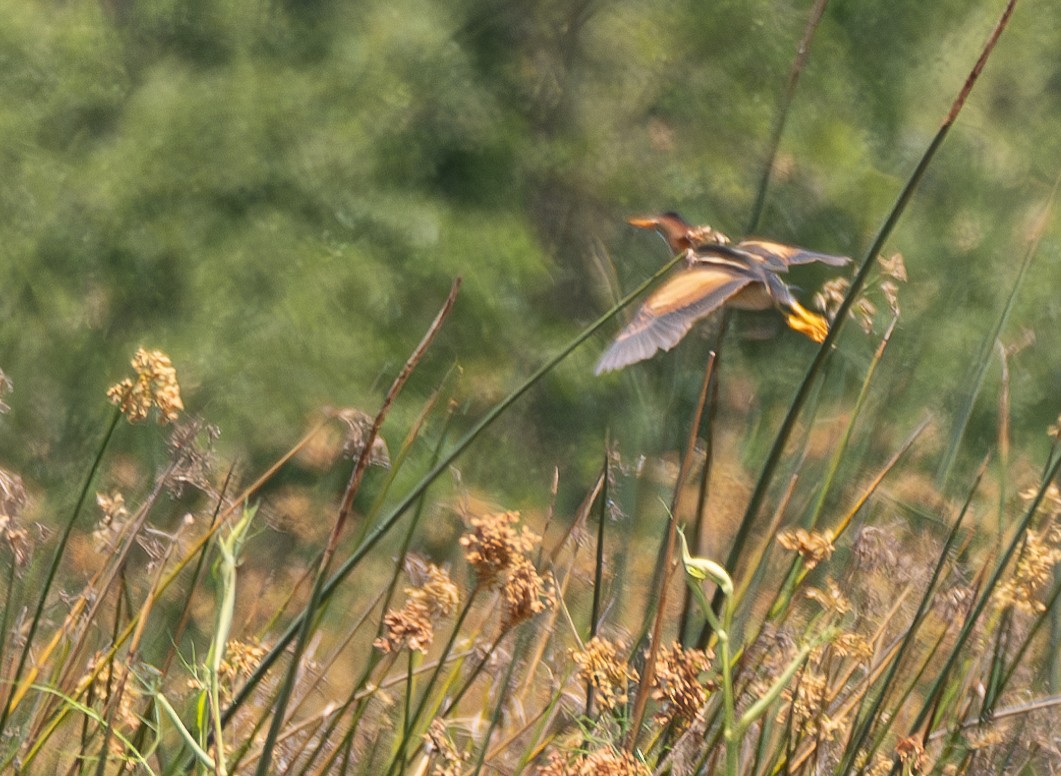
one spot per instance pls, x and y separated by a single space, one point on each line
316 601
53 569
598 570
9 595
802 54
865 720
1050 605
905 195
697 532
983 359
797 570
502 696
388 522
428 688
988 589
664 568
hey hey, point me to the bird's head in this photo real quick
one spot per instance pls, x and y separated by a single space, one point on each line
679 234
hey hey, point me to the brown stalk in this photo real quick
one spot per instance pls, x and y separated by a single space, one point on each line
667 565
352 487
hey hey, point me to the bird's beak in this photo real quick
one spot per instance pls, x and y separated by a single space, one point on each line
643 222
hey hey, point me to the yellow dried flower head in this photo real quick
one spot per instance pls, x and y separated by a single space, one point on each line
494 544
111 522
911 752
16 539
600 667
103 683
679 689
882 765
813 546
240 660
437 591
13 496
831 295
445 760
155 386
412 626
987 736
890 289
893 266
1034 571
852 645
808 703
409 627
13 500
524 593
601 762
1051 503
832 599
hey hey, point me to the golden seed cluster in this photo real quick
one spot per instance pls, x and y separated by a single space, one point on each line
155 386
499 554
600 667
679 689
412 626
812 546
600 762
446 760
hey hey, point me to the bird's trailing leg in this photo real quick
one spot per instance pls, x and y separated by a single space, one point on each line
805 322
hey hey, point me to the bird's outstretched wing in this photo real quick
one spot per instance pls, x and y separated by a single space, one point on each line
670 311
787 255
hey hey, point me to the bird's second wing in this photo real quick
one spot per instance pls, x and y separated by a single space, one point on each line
670 311
787 255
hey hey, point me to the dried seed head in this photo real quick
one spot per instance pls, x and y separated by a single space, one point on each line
1051 503
102 676
437 591
494 544
808 702
600 762
13 501
111 522
446 760
911 752
600 667
409 627
412 626
832 598
525 593
679 688
240 660
155 386
852 645
1033 572
894 266
813 546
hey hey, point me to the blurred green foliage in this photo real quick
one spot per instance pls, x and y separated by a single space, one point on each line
278 195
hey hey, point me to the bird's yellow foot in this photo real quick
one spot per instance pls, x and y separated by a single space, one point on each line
805 322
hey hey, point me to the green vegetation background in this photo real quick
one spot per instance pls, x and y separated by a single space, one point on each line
278 195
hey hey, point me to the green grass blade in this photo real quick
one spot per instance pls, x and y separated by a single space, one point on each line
755 502
388 522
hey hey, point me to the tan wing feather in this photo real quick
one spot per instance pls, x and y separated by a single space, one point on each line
783 255
670 311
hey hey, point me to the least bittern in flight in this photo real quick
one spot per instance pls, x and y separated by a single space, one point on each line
745 275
